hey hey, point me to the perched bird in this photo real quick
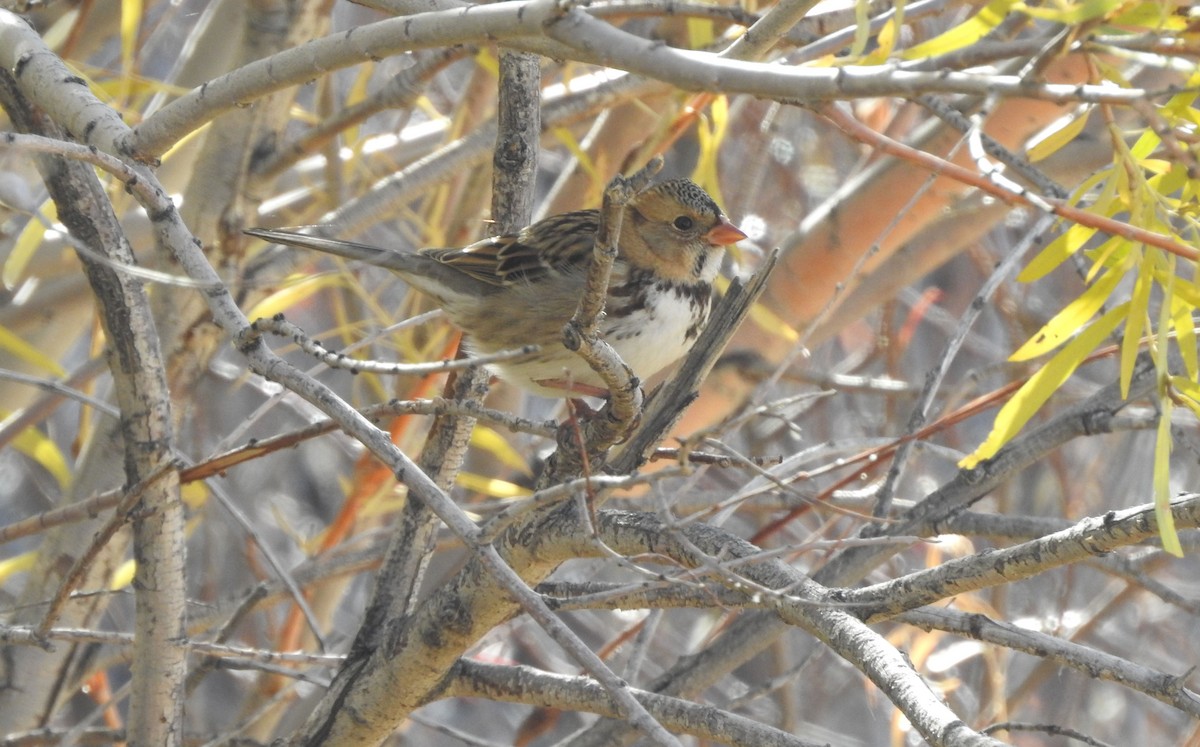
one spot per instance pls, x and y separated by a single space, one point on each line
508 291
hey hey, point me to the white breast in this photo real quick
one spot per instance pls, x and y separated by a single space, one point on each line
652 338
650 325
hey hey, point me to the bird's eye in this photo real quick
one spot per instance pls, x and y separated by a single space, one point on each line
683 223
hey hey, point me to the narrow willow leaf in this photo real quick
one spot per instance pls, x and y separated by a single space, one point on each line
885 43
1155 15
294 293
1162 446
1056 252
37 446
862 28
1139 306
1030 397
1185 334
700 33
131 21
1056 139
1112 253
762 316
1146 144
1188 391
488 60
1072 14
488 440
27 244
23 351
1070 320
567 138
491 486
710 134
1171 181
123 576
24 562
964 34
1162 483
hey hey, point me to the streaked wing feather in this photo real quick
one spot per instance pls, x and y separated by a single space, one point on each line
549 246
479 260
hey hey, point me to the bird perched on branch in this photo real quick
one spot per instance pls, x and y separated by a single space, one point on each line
509 291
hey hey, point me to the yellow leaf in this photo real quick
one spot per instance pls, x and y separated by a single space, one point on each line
487 439
27 244
567 138
1151 15
194 494
1189 392
1056 252
1068 321
1162 484
773 323
762 316
964 34
34 444
1030 397
1187 291
23 351
1163 443
1146 144
885 43
710 134
488 61
1112 253
131 21
1139 305
491 486
123 576
23 562
1170 180
1050 142
292 294
1185 334
862 28
700 33
1073 14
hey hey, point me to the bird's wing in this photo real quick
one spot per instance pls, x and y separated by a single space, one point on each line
555 245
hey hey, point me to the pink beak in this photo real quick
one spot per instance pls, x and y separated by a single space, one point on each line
724 233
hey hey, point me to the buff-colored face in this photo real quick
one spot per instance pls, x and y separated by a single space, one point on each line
677 230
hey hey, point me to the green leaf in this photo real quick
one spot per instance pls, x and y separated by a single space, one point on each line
1030 397
1068 321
